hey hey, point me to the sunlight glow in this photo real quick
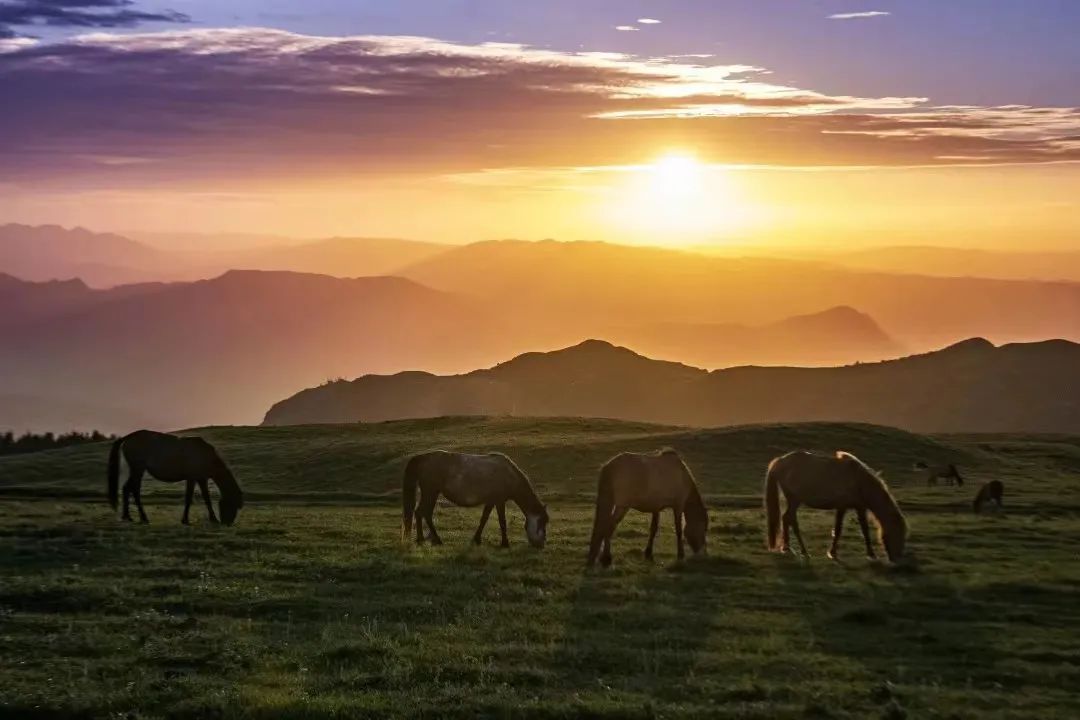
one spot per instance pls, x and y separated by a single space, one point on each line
679 200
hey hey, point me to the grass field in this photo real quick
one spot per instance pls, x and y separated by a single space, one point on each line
311 606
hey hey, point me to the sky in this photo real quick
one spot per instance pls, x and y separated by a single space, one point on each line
672 122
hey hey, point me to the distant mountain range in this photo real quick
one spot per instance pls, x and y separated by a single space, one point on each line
972 386
184 351
603 285
221 350
961 262
103 260
218 351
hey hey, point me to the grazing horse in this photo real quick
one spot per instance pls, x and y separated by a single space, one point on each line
469 481
172 459
946 472
993 491
841 483
647 482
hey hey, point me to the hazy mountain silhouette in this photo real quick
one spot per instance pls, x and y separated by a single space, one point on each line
105 260
589 283
220 350
836 336
972 386
962 262
50 252
339 256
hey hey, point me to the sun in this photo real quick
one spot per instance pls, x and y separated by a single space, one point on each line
677 173
676 199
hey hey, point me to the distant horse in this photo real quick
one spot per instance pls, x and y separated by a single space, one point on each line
946 472
469 481
841 483
647 482
993 491
172 459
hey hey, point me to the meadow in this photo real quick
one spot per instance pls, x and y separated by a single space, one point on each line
312 607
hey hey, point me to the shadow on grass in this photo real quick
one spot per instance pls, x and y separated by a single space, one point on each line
640 627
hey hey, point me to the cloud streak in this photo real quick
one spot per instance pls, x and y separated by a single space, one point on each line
859 15
199 104
78 13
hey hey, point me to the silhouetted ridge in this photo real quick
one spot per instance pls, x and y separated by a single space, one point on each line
967 387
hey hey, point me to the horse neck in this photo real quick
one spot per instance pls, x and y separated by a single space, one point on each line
882 505
525 497
694 501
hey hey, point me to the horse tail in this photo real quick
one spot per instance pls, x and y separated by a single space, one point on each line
408 495
113 473
772 506
605 502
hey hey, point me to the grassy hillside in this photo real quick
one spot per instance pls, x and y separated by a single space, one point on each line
364 462
304 610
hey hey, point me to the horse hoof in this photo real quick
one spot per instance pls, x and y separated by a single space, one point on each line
832 556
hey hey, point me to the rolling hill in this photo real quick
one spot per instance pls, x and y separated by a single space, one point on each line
972 386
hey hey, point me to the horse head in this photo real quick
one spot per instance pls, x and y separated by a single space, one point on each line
232 497
536 527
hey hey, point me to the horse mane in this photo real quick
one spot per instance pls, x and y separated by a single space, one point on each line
531 495
879 488
695 504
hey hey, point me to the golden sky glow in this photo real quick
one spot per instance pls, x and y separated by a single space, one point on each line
269 131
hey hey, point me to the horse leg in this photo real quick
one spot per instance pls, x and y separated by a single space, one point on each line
865 527
653 528
785 522
616 517
501 510
427 512
837 529
204 488
791 520
134 475
477 538
189 494
136 491
679 552
599 532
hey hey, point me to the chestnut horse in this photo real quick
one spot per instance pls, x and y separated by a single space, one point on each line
840 482
648 483
469 480
172 459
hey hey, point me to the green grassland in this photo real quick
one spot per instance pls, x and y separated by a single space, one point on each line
311 606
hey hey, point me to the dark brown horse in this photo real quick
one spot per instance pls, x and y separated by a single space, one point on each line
947 472
647 483
469 481
825 482
993 491
173 459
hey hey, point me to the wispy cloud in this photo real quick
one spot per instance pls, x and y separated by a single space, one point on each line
258 103
859 15
78 13
626 28
649 21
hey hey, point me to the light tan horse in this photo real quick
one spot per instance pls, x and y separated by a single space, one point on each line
469 481
841 483
647 483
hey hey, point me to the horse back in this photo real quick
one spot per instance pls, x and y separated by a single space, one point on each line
648 483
